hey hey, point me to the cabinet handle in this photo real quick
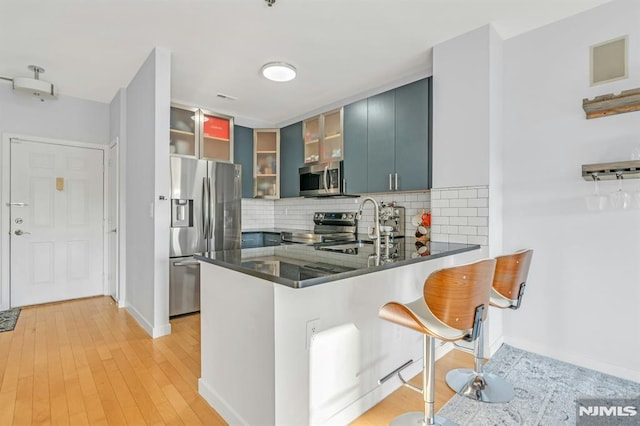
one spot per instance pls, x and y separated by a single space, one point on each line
390 183
396 181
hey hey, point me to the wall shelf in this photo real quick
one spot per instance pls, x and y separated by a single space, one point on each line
610 171
602 106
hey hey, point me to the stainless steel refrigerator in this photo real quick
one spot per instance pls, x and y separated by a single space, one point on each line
205 216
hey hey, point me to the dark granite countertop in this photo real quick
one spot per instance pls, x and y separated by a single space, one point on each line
300 265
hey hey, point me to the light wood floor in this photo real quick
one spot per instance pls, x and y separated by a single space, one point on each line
88 362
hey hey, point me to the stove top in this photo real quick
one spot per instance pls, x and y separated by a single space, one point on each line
328 227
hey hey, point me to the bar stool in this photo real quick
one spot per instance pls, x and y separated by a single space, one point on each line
454 305
507 290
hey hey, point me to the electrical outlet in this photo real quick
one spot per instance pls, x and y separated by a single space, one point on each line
313 328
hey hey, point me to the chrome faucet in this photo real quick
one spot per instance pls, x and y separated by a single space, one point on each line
376 222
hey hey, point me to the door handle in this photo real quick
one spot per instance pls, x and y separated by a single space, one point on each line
324 178
20 232
17 204
114 230
203 205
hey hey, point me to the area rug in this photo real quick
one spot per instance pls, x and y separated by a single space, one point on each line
8 319
546 392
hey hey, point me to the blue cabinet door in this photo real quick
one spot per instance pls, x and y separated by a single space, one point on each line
291 158
381 141
412 123
355 147
243 154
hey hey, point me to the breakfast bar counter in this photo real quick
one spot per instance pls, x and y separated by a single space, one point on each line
300 265
290 334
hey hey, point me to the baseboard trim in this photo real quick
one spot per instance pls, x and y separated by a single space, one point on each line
493 348
162 330
219 404
572 358
142 321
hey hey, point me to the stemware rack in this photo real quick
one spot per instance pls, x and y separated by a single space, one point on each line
610 171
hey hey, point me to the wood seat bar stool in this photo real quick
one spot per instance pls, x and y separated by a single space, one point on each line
454 305
506 293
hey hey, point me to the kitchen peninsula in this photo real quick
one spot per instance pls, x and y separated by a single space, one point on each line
291 335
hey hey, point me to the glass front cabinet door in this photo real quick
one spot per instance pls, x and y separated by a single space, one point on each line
200 134
323 137
183 134
266 163
217 139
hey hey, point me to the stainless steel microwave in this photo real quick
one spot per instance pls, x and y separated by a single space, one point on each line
322 180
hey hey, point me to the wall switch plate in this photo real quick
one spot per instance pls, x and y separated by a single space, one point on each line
313 328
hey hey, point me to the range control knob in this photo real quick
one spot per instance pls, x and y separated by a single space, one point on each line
344 216
350 216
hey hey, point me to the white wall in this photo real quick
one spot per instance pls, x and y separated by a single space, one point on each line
67 118
461 100
583 298
147 178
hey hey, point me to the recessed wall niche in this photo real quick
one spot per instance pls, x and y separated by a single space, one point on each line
609 61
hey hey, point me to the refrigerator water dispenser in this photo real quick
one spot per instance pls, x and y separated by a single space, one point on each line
181 213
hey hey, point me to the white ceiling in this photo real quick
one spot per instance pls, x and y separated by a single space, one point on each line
341 48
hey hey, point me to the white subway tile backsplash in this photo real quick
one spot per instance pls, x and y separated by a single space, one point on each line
460 215
460 202
470 211
440 203
479 202
483 241
468 193
450 211
478 221
440 237
439 220
458 220
462 239
468 230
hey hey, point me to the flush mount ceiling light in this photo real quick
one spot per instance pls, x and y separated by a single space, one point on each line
34 86
278 71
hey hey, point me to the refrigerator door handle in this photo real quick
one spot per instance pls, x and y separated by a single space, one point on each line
210 210
203 210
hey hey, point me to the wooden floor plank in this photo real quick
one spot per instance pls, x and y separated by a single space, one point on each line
87 362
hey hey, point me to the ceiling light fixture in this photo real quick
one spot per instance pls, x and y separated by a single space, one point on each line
278 71
34 86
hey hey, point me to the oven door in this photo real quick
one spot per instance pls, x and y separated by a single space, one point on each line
321 180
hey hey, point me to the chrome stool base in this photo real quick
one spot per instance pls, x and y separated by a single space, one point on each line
416 418
485 387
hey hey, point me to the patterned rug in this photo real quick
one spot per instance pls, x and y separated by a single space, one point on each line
546 392
8 319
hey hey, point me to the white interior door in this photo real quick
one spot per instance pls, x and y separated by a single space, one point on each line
112 223
56 222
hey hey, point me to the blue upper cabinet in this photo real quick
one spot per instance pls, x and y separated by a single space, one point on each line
243 154
412 147
355 147
381 138
387 140
291 158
